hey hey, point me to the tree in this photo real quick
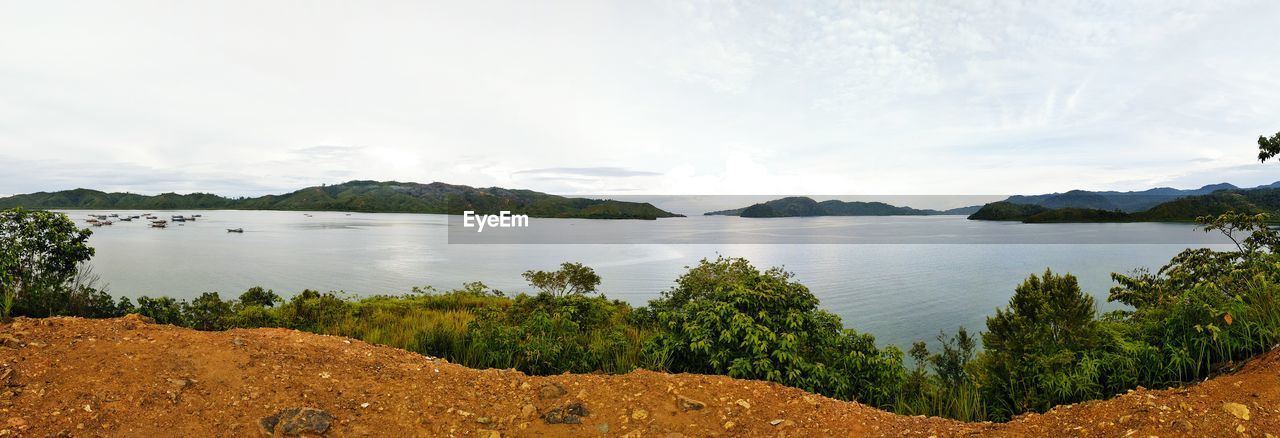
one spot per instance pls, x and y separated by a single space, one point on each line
41 251
571 279
208 312
1268 147
163 310
257 296
1035 345
727 317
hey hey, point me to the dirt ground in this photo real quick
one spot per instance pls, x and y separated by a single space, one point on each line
127 377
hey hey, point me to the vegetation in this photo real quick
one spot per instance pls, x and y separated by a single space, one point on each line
1185 209
1199 315
799 206
1268 147
362 196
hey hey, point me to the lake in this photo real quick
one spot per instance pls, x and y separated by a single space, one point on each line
900 278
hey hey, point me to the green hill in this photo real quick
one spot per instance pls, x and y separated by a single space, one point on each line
1185 209
800 206
360 196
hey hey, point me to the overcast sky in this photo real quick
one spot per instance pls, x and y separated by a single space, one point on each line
254 97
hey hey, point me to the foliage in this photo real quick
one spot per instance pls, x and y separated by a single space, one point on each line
727 317
1268 147
365 196
1038 348
257 296
570 279
38 258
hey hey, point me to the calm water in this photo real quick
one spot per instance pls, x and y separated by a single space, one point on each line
898 291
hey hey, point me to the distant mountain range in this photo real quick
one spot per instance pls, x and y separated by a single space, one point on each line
358 196
1262 199
1128 202
800 206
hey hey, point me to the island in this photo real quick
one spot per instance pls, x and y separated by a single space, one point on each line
1182 209
357 196
801 206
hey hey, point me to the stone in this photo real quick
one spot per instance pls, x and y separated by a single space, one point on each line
743 403
8 341
687 404
639 414
527 411
486 433
292 422
729 425
551 390
569 414
1239 410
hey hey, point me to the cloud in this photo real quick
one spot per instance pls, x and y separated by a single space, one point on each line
614 172
671 97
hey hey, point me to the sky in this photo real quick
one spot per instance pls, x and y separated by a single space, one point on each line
244 98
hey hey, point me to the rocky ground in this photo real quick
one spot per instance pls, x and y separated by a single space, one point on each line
127 377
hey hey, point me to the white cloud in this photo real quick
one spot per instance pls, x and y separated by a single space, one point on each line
714 97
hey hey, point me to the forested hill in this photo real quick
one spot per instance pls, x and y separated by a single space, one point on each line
800 206
1184 209
358 196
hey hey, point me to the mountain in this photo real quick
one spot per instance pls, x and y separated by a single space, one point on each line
1128 202
800 206
362 196
1182 209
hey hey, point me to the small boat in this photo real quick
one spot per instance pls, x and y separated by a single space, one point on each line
105 222
178 219
113 215
197 215
92 220
235 230
150 217
126 219
159 224
135 217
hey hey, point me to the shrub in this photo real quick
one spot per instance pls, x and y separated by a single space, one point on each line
727 317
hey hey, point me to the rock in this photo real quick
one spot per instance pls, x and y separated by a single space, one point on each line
551 390
687 404
8 341
134 320
237 342
639 414
486 433
484 420
527 411
292 422
743 403
781 422
603 427
18 423
729 425
1239 410
570 414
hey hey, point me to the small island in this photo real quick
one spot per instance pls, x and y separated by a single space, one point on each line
357 196
801 206
1183 209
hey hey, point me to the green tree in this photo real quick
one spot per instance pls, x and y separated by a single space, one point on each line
727 317
208 312
40 253
1268 147
257 296
570 279
1037 347
163 310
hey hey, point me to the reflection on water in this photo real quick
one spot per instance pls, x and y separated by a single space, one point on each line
900 292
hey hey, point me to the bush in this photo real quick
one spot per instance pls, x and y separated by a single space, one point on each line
1038 349
727 317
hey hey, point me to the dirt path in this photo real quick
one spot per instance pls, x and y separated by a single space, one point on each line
124 377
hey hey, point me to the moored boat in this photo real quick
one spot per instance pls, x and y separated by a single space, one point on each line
235 230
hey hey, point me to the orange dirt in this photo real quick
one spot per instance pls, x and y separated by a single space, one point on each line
126 377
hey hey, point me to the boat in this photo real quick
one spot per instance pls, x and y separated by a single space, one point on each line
197 215
105 222
126 219
113 215
158 224
235 230
150 217
178 219
92 220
